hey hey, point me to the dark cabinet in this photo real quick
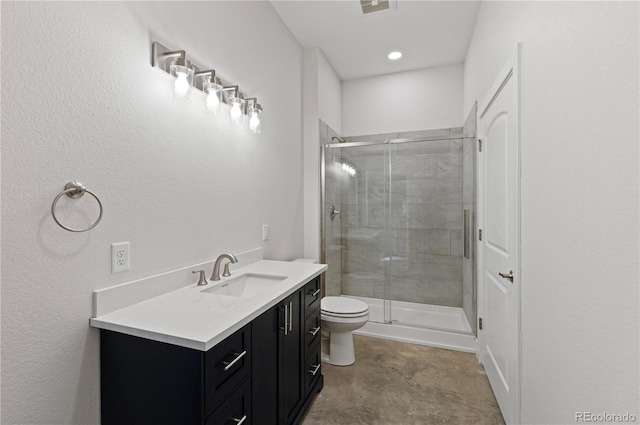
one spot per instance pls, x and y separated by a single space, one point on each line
266 373
312 374
150 382
282 393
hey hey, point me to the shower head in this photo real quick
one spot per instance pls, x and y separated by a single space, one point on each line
339 139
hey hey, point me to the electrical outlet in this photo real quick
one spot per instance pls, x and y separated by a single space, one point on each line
119 257
265 232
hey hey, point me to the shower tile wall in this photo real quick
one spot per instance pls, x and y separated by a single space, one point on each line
334 176
421 250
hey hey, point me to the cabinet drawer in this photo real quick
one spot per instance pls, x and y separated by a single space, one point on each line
313 368
234 410
226 365
312 296
311 330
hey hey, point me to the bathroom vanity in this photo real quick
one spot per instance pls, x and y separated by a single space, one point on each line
256 361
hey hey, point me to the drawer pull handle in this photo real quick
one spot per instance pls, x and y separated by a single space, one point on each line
314 293
240 421
315 331
314 369
230 364
291 317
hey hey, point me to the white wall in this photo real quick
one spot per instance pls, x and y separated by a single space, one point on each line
329 94
580 171
405 101
321 101
81 101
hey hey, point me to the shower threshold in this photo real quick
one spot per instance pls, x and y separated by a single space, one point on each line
432 325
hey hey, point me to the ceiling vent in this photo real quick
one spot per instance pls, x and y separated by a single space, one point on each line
370 6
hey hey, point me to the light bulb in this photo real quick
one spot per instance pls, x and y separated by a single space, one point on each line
212 100
254 121
235 112
182 85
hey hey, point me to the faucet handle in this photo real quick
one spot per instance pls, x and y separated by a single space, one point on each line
202 280
226 272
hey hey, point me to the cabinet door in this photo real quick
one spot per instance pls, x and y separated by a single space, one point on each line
265 380
277 374
292 388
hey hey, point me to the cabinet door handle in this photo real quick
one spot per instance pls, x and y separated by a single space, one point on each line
314 293
314 331
240 421
314 369
229 365
290 317
286 319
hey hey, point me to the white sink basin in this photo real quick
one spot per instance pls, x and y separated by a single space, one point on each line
245 286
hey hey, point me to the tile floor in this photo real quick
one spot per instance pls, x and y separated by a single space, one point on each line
399 383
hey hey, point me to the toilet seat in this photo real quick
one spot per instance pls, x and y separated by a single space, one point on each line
343 316
343 307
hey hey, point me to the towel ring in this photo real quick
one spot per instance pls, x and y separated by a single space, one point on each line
74 190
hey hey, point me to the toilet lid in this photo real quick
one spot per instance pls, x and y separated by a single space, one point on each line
343 305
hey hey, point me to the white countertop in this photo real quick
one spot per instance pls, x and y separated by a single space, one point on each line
190 318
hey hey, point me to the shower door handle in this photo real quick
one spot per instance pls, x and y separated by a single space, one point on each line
333 212
465 239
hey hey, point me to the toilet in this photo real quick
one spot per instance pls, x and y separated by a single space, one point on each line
340 316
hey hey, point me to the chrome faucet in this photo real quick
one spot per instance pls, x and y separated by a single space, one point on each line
216 268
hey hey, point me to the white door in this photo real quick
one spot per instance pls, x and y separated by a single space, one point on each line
499 265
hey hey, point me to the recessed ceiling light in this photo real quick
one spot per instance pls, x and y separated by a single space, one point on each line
394 56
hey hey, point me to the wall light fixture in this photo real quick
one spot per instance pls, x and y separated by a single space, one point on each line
254 114
211 89
189 78
236 103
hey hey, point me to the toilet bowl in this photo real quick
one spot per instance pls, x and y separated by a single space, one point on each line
341 316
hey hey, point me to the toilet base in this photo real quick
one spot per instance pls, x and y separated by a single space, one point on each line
341 351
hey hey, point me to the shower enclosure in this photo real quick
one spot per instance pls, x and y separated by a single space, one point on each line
397 221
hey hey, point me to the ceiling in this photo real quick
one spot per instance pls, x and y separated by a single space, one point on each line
429 33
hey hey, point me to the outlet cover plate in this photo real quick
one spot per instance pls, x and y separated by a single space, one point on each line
120 257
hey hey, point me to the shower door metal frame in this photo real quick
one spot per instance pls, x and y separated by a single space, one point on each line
323 147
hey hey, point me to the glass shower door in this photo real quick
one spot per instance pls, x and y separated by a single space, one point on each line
360 173
425 231
393 231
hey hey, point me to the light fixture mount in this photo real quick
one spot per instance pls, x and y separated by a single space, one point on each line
216 93
160 55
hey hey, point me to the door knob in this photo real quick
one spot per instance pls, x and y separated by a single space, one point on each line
507 275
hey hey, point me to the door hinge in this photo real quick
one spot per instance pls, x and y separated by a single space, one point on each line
480 323
480 234
479 145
